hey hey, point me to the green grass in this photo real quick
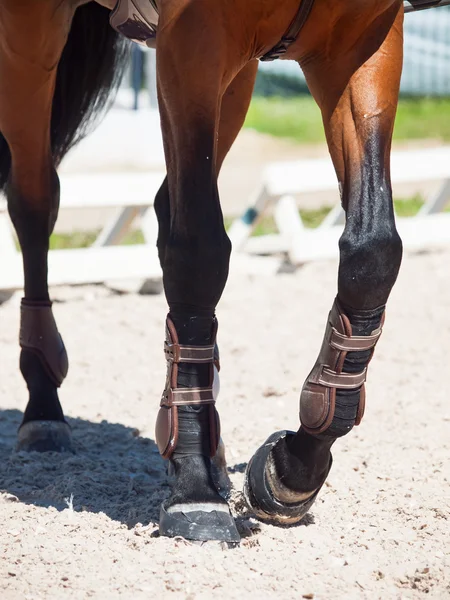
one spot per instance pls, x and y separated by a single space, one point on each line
311 218
299 119
423 118
408 207
294 118
83 239
77 239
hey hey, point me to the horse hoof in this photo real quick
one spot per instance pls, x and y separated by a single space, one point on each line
259 495
44 436
198 522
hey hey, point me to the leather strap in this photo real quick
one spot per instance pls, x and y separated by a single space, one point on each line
318 397
188 396
188 354
414 5
39 334
292 33
353 343
167 423
346 381
304 11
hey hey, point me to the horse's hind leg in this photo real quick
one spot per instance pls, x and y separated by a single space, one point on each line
33 37
358 104
194 251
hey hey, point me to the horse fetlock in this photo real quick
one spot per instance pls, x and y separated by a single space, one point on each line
39 335
333 397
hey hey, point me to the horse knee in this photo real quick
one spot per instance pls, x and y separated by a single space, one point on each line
34 208
370 260
196 268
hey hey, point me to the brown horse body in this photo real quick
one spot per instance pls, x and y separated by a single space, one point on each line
351 54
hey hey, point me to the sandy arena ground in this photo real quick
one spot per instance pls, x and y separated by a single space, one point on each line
85 526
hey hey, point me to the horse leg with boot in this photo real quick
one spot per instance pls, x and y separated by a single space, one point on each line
37 35
357 92
234 108
194 252
37 127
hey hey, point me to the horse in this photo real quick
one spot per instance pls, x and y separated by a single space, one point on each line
60 64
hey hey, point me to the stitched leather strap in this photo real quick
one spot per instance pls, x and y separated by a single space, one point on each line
188 396
346 381
292 33
189 354
353 343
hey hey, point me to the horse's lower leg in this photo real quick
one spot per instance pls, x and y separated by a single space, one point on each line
234 107
287 472
27 78
194 251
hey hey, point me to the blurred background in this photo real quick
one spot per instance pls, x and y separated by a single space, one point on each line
283 124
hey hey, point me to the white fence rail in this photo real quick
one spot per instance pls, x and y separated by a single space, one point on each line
105 260
282 181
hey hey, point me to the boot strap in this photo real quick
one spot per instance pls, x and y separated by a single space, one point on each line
39 334
318 397
167 425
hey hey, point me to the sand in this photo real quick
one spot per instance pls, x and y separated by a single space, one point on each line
85 526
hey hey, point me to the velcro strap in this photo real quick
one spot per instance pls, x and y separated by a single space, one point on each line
354 343
348 381
188 396
189 354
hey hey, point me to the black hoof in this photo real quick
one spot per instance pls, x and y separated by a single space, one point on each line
44 436
260 497
199 522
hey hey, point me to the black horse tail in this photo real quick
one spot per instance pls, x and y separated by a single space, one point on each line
89 73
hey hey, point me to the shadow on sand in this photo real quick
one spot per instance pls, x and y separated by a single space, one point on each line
114 471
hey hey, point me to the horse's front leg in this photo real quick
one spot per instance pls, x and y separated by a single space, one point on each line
358 103
33 37
193 74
